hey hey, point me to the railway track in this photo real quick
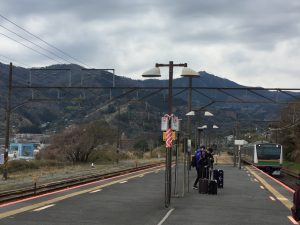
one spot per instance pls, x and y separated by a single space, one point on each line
288 178
22 193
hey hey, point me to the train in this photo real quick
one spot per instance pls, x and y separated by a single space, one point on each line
265 156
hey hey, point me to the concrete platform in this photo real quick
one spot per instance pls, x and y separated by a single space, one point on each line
242 201
248 197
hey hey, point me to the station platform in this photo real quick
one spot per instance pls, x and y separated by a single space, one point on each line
249 197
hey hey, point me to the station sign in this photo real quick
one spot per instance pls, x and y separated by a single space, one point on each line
189 145
240 142
175 123
1 159
164 123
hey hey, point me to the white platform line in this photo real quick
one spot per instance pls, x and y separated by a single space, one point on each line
122 182
272 198
95 191
292 220
42 208
262 187
166 216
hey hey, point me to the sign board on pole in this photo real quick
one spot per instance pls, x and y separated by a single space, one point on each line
169 138
189 145
164 123
175 123
173 136
1 159
240 142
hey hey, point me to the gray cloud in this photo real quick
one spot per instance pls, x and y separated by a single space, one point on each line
238 39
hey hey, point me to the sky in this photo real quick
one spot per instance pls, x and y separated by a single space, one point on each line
251 42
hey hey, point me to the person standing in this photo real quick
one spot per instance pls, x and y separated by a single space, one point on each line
199 166
296 202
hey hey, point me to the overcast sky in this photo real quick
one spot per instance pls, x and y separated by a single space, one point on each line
252 42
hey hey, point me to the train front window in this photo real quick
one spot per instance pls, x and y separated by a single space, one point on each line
268 151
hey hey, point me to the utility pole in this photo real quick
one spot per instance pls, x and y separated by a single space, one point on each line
118 134
7 128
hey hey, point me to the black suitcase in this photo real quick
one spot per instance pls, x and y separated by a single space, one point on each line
215 174
213 187
203 182
221 179
203 186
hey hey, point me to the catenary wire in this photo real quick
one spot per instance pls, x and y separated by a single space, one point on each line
66 54
30 48
35 44
13 60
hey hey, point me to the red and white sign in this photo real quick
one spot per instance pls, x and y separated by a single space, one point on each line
164 123
169 138
175 123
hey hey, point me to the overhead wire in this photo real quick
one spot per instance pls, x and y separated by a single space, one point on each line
13 60
30 48
47 43
35 44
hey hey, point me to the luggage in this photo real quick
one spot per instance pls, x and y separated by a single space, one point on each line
215 174
203 186
213 187
203 182
221 179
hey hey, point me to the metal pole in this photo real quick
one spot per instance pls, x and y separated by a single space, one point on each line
184 164
7 129
169 150
118 141
240 157
176 166
189 133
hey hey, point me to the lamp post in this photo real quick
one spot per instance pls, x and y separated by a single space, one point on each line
200 129
155 72
7 128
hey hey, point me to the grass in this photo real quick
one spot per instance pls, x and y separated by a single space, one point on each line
292 166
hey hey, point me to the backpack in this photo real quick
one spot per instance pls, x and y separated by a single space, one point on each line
193 162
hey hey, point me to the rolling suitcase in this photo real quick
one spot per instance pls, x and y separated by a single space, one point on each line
212 187
203 183
221 179
215 174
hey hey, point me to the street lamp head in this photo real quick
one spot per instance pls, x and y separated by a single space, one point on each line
154 72
187 72
206 113
215 127
191 113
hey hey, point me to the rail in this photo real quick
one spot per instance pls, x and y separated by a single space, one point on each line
17 194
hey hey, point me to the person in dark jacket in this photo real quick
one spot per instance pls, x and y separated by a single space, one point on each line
199 154
296 202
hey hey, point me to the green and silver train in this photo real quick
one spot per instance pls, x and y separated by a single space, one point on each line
265 156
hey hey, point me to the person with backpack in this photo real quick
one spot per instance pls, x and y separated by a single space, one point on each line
197 162
296 202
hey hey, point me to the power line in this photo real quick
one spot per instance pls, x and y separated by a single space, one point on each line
66 54
10 59
30 48
35 44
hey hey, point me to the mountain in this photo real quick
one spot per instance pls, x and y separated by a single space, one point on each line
61 106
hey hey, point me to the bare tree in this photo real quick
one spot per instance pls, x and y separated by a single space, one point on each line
76 143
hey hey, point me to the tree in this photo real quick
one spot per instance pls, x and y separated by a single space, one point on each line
141 145
76 143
